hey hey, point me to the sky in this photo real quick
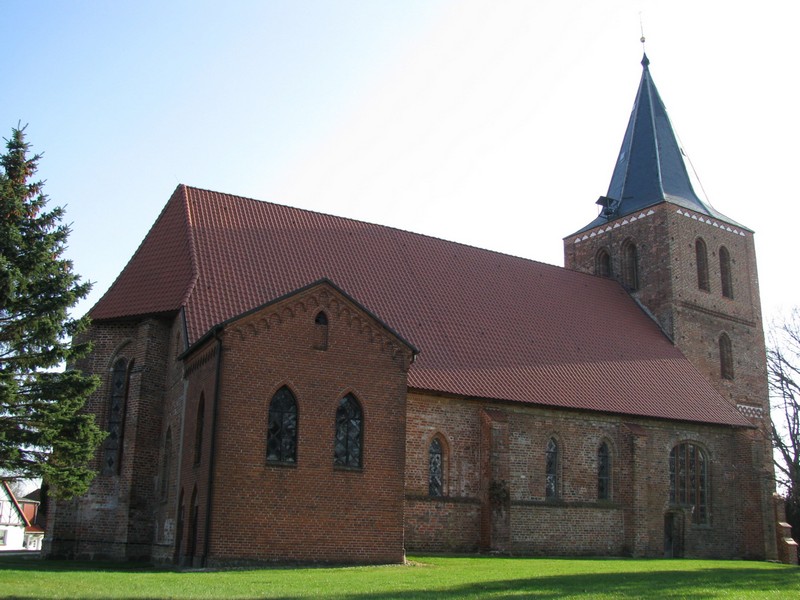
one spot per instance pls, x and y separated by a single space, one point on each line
495 123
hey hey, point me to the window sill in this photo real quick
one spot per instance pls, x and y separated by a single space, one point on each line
346 468
282 464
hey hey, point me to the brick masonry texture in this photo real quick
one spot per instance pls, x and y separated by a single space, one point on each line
228 505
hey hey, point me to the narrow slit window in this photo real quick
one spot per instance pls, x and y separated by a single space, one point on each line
198 432
630 263
701 258
726 276
725 357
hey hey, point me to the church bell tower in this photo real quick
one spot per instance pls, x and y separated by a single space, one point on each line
691 267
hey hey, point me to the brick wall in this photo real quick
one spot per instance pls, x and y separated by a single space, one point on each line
309 510
696 318
631 522
114 519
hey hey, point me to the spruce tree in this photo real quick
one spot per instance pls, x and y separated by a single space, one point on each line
43 430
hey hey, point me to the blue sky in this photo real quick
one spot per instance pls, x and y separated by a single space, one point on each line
494 123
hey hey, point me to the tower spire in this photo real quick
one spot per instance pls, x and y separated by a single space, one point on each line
651 167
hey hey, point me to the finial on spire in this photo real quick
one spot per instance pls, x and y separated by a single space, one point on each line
645 60
641 29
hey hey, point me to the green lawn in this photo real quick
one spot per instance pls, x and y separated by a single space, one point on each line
425 577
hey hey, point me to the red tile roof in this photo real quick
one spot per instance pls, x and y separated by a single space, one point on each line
488 325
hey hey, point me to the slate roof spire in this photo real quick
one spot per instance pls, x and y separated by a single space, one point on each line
651 167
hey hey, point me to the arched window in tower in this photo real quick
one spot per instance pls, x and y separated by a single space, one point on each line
725 272
603 472
725 357
436 471
602 263
166 464
701 257
198 430
551 469
282 427
321 331
630 265
112 453
349 430
688 480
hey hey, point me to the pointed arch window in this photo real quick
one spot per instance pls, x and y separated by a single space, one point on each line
112 455
630 265
347 450
725 357
198 432
701 258
551 469
688 480
166 464
603 472
436 468
726 276
321 331
282 427
602 263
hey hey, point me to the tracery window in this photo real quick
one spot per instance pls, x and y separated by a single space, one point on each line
551 469
116 417
726 276
701 258
436 468
688 480
349 433
602 263
725 357
282 427
198 432
603 472
630 265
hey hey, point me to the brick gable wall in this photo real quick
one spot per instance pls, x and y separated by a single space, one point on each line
309 510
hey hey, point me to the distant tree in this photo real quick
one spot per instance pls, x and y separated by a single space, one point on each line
783 365
43 431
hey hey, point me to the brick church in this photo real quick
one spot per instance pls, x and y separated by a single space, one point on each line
284 385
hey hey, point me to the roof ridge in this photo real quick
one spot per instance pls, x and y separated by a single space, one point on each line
309 211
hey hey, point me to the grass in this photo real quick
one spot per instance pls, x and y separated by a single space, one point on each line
440 577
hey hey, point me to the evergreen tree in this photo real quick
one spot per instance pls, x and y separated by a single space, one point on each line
43 431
